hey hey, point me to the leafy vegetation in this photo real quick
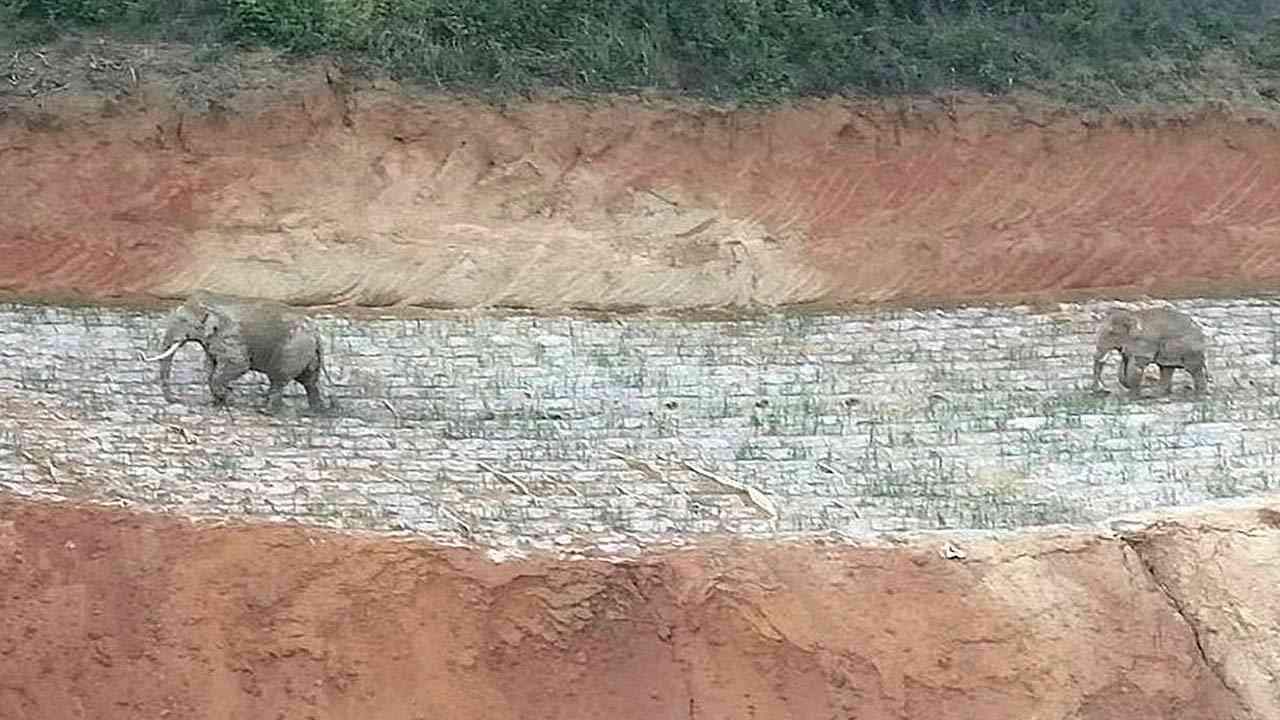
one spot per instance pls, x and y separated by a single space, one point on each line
739 49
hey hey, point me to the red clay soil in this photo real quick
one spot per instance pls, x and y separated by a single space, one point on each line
323 190
106 614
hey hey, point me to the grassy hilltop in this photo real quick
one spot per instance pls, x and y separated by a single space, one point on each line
1092 52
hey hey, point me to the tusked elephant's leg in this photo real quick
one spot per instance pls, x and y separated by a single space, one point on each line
1166 380
308 345
310 380
224 373
1200 376
275 396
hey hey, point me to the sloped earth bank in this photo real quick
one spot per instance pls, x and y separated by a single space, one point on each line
109 614
141 172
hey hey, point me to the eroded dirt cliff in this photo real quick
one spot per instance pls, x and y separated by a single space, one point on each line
105 613
139 171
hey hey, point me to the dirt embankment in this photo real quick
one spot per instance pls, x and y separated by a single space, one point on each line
107 614
147 174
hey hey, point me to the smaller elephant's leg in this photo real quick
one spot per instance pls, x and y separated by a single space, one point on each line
1199 375
1135 385
1166 380
220 379
1200 378
1134 370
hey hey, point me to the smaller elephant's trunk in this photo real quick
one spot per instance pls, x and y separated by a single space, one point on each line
1123 374
1098 358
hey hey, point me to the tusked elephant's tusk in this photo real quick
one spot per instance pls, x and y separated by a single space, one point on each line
172 349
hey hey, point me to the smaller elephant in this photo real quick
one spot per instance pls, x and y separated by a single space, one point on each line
242 334
1163 336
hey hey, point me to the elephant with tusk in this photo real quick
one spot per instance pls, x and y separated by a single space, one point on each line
242 334
1163 336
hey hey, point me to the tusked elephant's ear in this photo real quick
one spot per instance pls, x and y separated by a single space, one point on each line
216 321
212 323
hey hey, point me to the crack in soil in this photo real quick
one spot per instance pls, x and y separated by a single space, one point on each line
1136 545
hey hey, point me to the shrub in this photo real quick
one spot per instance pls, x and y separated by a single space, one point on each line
732 48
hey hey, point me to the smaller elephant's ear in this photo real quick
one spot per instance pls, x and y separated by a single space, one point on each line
1122 320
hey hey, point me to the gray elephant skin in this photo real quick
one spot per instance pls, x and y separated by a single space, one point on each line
240 334
1163 336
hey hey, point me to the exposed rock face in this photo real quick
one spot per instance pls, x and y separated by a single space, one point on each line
120 615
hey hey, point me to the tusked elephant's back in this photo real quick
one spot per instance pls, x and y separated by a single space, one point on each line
266 334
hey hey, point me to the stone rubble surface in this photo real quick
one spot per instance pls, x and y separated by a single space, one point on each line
518 431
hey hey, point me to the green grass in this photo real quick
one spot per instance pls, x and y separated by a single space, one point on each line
724 49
